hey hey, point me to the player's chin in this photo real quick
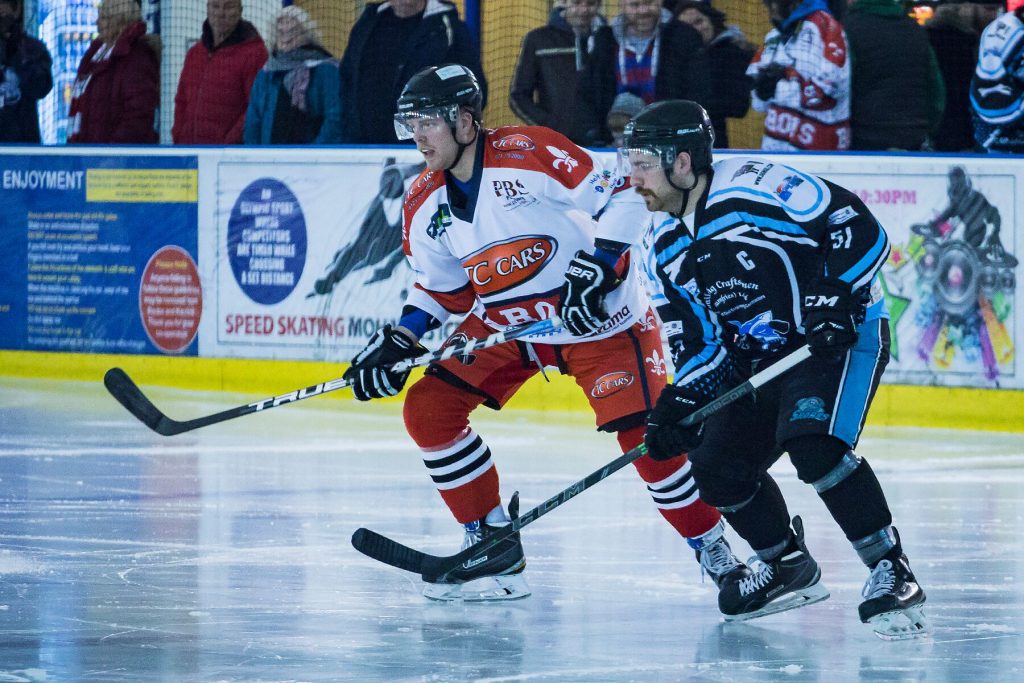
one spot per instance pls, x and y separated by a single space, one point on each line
651 202
433 160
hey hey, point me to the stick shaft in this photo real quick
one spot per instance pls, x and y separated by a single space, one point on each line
128 394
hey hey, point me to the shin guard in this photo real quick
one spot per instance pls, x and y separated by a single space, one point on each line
457 459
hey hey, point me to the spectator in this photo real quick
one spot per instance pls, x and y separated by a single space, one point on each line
213 90
389 43
626 106
646 52
25 77
802 79
997 90
729 54
543 88
117 89
954 31
898 94
294 100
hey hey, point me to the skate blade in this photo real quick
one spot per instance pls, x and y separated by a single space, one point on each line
484 589
800 598
900 624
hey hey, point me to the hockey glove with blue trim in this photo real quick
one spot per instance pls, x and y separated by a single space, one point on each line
828 310
371 375
588 281
665 437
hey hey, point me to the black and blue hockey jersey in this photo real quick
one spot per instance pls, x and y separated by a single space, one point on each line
732 273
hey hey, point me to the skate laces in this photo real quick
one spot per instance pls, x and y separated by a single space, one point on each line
761 576
716 558
881 582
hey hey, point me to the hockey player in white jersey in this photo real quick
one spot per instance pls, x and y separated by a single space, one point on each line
763 258
500 225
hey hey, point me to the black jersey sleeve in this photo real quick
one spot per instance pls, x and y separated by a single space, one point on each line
694 332
854 242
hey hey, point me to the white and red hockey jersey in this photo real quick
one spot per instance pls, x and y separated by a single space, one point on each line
811 106
537 197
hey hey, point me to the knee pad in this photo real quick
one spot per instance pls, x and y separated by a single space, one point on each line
436 412
821 460
722 489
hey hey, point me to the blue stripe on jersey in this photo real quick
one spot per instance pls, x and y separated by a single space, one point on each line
877 310
710 331
852 402
993 114
864 266
774 199
666 255
730 220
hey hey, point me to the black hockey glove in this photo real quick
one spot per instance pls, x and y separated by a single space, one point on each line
766 79
371 373
665 437
581 301
828 310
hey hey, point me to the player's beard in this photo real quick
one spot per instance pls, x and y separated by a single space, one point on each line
652 200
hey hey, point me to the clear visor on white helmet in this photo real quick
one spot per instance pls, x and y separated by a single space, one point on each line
643 159
409 123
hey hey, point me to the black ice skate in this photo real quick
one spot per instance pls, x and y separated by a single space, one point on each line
715 556
894 601
789 581
497 576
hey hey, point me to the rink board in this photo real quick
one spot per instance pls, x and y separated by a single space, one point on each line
199 268
894 405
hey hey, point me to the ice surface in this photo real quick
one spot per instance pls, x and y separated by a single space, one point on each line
224 555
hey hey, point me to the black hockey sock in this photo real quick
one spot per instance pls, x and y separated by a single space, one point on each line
858 504
763 521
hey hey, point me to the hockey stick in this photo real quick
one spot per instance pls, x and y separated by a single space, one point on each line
435 568
128 394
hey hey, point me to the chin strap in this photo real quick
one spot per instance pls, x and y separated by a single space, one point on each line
685 190
463 146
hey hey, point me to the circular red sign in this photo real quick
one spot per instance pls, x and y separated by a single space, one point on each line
171 299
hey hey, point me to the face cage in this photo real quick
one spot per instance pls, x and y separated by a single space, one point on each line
664 157
405 121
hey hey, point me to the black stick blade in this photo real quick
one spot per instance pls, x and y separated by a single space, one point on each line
122 388
383 549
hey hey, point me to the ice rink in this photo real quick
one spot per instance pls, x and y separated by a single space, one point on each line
224 555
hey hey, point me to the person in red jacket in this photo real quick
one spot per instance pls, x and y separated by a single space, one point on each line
213 90
117 91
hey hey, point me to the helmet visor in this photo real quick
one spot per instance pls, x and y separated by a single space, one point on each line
410 123
643 159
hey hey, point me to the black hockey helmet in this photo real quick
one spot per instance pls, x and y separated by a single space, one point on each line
666 129
438 91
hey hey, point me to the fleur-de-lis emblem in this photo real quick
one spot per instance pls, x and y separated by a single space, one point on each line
647 324
562 157
658 363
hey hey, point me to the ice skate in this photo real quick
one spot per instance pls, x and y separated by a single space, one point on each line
498 576
789 581
894 602
716 557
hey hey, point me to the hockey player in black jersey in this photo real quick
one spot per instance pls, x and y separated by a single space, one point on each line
761 259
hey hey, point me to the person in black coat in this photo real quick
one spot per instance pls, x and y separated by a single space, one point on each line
543 88
729 53
25 77
644 51
389 43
